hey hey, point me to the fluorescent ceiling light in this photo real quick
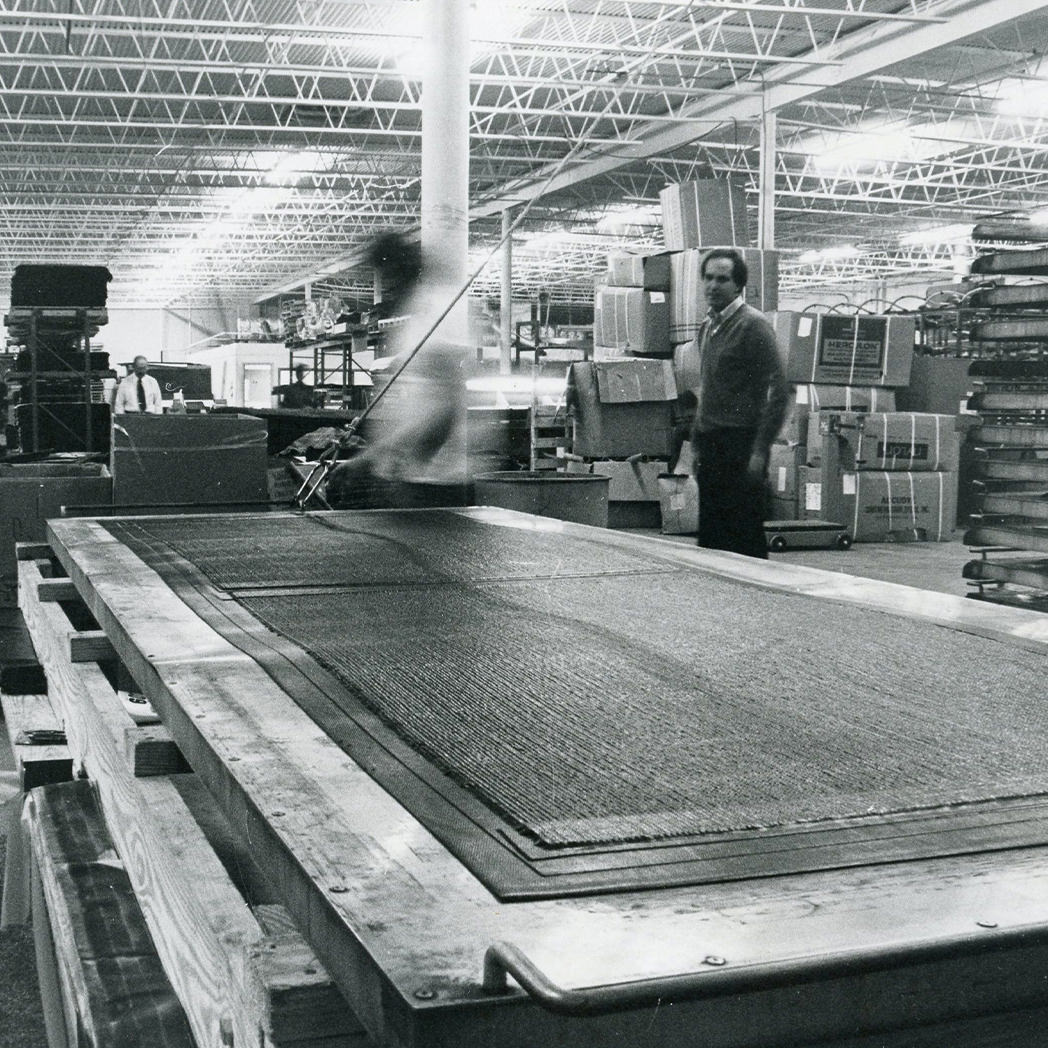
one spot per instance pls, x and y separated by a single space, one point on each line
290 168
950 234
866 147
493 20
1023 96
828 254
619 218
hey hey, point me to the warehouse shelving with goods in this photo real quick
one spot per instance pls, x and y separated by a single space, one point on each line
60 380
1010 441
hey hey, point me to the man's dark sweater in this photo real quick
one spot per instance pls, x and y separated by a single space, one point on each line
743 385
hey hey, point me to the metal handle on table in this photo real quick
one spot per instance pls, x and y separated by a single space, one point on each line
503 958
716 978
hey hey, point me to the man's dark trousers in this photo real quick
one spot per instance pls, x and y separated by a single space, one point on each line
731 502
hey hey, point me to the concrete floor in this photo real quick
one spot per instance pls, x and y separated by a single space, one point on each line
932 566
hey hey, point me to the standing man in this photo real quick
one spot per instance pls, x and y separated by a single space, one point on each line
138 391
296 394
742 403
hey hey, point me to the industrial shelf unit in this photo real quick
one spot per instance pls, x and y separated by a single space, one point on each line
331 358
1011 438
28 325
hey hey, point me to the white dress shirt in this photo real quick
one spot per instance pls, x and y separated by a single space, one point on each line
127 395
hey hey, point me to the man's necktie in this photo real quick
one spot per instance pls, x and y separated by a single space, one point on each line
141 395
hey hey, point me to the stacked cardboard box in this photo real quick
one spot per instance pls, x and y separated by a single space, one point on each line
799 444
885 475
835 349
702 213
688 306
630 321
622 428
839 363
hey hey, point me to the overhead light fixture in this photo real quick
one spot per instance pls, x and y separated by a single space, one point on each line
1022 96
887 143
288 169
949 234
619 218
828 254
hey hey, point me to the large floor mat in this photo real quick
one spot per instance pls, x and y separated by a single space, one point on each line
609 719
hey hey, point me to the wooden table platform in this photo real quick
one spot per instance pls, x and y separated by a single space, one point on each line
914 953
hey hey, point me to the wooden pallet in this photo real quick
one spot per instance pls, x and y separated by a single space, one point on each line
550 436
243 976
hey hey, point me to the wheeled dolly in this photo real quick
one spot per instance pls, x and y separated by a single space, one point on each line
805 534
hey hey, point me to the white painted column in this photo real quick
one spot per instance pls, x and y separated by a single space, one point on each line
445 150
506 304
766 210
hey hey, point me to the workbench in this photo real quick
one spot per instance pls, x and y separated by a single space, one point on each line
749 945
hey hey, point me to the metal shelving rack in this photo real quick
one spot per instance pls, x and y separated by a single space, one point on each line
1011 438
27 324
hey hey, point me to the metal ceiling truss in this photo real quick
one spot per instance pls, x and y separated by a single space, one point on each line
241 148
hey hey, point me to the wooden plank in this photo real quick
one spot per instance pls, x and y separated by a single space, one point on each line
54 590
304 1005
36 764
150 750
32 550
403 927
55 994
201 925
105 958
90 646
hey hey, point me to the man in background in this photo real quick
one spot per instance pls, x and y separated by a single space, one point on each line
742 401
296 394
138 391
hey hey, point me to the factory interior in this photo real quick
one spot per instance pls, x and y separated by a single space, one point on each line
523 525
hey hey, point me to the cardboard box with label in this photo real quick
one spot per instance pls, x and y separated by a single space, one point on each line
809 492
688 299
832 349
704 213
893 440
808 399
633 320
650 272
678 504
784 462
622 408
886 507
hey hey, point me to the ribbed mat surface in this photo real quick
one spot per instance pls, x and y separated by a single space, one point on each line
373 548
653 704
589 710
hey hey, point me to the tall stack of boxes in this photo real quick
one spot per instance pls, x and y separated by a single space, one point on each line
845 453
696 218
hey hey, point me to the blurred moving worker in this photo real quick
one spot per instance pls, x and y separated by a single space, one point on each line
415 449
296 394
138 391
743 398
